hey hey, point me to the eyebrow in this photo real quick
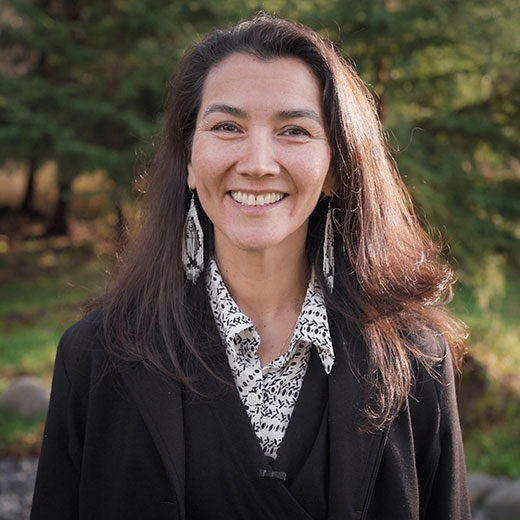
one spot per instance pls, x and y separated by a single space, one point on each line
283 114
227 109
293 114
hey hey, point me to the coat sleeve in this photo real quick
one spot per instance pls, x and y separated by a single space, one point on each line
57 479
448 497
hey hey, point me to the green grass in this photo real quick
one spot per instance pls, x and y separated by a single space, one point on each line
27 351
494 448
39 298
20 436
34 313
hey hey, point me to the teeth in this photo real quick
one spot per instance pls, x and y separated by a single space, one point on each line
260 200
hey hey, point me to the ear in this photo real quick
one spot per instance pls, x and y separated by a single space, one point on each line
330 184
191 178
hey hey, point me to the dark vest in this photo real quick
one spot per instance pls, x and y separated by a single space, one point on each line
227 474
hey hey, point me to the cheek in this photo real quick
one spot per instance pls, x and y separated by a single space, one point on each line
204 172
207 163
314 157
311 171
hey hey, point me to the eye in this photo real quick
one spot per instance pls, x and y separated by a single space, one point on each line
226 127
296 131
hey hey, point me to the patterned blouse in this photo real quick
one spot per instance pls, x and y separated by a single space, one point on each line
269 393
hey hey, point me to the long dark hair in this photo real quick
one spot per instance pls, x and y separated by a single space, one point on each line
390 284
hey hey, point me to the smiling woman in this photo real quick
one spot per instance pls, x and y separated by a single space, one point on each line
276 344
262 148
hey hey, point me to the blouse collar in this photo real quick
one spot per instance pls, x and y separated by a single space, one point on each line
312 325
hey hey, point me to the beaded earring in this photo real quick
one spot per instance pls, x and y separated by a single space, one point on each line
328 251
193 244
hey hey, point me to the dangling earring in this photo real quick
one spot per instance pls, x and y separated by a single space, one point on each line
193 244
328 251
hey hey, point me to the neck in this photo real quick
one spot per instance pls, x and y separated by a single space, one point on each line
265 284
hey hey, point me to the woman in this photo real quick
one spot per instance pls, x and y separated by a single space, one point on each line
275 345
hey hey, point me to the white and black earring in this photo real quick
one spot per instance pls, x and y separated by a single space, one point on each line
328 251
193 244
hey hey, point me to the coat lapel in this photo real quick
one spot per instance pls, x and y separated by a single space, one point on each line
354 457
160 404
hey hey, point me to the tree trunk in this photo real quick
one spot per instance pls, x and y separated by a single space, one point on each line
58 224
26 207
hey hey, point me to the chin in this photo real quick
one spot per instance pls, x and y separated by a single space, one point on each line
260 238
255 243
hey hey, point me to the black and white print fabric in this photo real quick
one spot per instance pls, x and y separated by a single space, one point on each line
269 393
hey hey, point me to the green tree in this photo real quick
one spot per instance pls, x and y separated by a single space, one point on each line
95 73
95 79
448 84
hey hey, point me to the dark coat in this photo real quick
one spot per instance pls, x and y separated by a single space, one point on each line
113 447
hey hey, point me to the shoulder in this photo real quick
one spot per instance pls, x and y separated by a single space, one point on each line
434 378
429 343
434 355
82 345
86 328
431 357
86 332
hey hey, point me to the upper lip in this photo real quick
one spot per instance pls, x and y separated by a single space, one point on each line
257 192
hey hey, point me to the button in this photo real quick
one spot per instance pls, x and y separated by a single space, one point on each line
252 399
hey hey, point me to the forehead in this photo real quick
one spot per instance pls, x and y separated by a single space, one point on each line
247 82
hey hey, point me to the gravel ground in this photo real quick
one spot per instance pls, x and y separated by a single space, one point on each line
16 487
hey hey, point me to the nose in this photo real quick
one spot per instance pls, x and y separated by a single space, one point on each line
258 157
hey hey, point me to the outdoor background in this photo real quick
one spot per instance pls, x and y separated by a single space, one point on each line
82 84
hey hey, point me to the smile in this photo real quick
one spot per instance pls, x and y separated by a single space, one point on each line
258 200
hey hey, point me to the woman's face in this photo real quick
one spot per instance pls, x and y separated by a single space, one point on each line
260 157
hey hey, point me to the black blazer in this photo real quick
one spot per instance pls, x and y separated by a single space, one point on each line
113 447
